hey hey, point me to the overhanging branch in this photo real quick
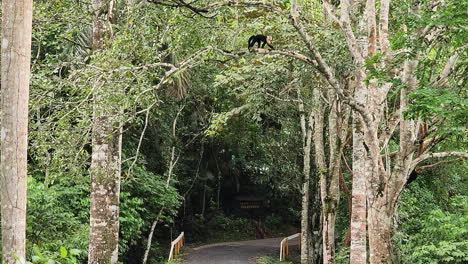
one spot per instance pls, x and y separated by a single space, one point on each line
437 155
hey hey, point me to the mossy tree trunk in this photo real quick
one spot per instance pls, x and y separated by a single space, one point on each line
306 128
329 171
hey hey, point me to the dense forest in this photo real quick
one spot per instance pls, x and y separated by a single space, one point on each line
127 122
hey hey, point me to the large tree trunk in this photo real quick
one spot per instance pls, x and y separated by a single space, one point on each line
105 190
385 186
16 57
358 253
381 231
106 156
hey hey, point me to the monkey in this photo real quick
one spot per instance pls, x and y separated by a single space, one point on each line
260 40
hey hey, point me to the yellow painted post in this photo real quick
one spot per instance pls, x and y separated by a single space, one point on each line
284 250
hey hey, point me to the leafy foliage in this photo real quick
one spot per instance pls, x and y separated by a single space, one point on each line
433 223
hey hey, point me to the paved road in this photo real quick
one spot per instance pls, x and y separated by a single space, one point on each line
243 252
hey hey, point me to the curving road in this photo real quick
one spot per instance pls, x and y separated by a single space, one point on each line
242 252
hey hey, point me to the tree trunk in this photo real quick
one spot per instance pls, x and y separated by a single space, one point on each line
305 231
358 253
329 187
105 190
106 155
345 190
305 228
330 197
306 128
381 232
16 57
315 220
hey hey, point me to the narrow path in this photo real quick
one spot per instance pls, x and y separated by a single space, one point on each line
242 252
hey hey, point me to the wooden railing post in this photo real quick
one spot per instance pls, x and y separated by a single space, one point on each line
176 245
284 245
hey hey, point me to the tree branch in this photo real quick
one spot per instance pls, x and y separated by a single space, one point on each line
428 167
448 68
348 31
424 157
331 10
383 27
392 124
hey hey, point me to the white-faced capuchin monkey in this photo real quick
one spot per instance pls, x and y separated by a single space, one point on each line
260 40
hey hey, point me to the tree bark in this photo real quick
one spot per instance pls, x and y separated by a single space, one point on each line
105 188
106 155
16 57
329 187
380 219
315 220
358 252
306 127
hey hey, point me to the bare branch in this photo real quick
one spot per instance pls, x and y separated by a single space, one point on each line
383 27
424 157
348 31
142 135
448 68
371 27
392 124
431 166
200 11
174 160
288 53
293 8
144 67
258 4
343 158
331 11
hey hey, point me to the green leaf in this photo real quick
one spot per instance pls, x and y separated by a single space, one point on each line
36 259
75 252
63 252
36 250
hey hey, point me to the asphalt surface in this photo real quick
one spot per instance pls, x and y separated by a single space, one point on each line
242 252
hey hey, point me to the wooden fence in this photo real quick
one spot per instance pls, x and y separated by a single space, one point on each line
176 245
284 245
